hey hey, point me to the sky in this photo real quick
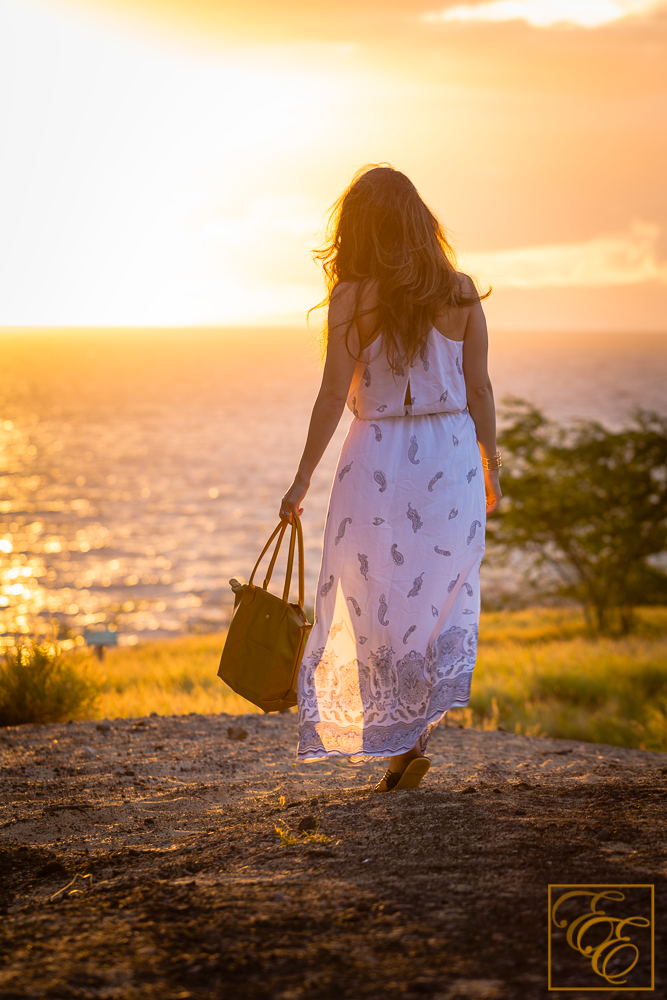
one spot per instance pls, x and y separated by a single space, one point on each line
168 163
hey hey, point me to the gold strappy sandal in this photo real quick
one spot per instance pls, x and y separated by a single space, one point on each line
398 780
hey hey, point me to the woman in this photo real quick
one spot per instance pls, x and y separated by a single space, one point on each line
394 640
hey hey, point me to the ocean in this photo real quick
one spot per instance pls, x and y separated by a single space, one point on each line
141 469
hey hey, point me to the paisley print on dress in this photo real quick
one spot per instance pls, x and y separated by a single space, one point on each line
357 609
473 528
378 432
341 529
423 354
381 480
343 472
398 558
458 367
417 523
412 450
354 406
374 695
452 584
400 371
471 474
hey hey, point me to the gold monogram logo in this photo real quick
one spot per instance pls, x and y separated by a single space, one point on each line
611 958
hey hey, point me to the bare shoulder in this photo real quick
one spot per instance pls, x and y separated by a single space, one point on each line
347 294
354 300
467 286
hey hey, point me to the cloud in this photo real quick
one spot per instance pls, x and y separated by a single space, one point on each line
619 259
546 13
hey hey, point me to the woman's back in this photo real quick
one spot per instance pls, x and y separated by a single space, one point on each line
432 383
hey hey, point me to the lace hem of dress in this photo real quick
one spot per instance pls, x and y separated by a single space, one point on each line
326 739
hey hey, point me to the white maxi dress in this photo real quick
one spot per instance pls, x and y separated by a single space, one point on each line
397 607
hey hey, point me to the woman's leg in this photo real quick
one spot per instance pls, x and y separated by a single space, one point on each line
400 762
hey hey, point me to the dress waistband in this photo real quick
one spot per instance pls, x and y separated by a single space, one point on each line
408 413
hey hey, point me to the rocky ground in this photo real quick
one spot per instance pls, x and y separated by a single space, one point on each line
440 892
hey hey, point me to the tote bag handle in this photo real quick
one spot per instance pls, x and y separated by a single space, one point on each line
296 536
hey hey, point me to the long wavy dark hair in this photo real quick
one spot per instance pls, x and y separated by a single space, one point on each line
381 232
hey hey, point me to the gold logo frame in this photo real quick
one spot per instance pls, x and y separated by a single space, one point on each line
594 894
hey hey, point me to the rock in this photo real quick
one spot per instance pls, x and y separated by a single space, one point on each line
281 897
186 767
602 835
308 823
104 726
468 790
424 985
52 868
236 733
88 752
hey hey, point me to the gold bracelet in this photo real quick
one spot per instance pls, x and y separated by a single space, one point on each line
492 463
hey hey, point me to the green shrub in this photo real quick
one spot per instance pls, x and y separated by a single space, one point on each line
41 683
588 504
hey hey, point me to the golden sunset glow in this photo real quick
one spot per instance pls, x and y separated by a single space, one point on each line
546 13
620 259
171 163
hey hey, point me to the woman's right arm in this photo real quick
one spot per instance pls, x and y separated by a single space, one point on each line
480 398
330 403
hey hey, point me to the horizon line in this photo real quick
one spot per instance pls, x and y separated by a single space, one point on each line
293 328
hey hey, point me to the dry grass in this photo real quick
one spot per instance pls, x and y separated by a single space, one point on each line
539 672
171 677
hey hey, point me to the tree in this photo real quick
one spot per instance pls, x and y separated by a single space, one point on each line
590 503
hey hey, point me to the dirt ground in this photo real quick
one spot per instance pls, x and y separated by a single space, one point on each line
439 892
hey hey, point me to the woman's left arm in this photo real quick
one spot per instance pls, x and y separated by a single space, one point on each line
480 398
330 403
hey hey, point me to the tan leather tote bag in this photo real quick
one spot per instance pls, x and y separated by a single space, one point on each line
267 635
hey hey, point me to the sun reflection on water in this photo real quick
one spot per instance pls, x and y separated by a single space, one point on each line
139 471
